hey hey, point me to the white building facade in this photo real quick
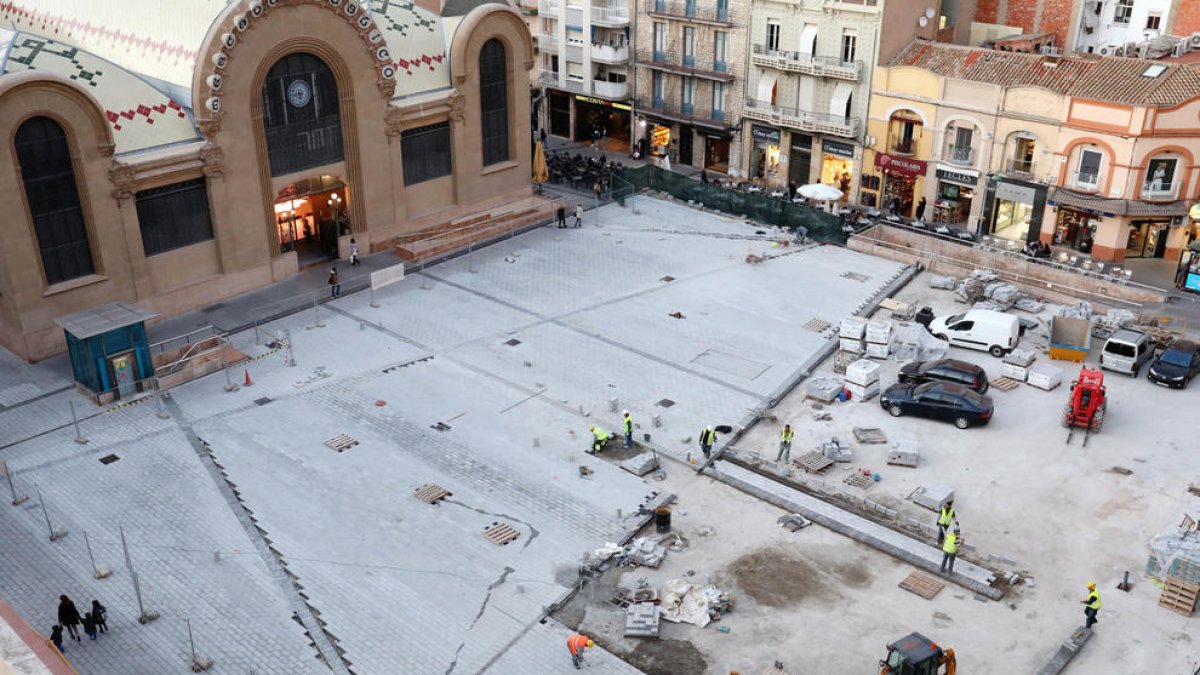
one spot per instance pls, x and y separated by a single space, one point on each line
1110 27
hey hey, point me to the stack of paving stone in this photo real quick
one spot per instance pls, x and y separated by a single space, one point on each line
824 389
643 551
832 448
862 380
641 619
1017 362
879 339
971 289
850 334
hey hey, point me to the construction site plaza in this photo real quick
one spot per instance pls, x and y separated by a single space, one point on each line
398 482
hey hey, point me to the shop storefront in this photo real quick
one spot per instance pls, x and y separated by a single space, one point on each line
560 114
901 178
1076 228
955 194
1188 275
716 152
612 119
764 152
800 159
660 140
1013 209
837 165
1147 238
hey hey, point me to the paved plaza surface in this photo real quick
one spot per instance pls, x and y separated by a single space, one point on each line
479 375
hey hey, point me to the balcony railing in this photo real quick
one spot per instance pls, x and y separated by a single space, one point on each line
546 42
903 146
601 88
683 112
610 16
683 65
804 120
610 90
610 53
808 64
1086 180
548 7
1024 166
960 155
1160 192
691 10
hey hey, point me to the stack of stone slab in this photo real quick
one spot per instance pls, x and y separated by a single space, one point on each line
972 289
1045 376
879 339
824 389
851 333
641 619
1016 364
643 551
833 448
944 283
904 451
1002 295
862 380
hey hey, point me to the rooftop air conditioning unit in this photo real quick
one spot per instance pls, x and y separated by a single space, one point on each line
1195 40
1182 47
1118 50
1107 50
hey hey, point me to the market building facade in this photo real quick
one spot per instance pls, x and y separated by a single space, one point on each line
235 144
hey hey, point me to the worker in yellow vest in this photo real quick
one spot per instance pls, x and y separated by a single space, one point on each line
1092 605
785 443
950 550
707 438
600 438
945 518
628 430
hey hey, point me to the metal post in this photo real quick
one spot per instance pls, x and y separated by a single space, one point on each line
75 421
289 356
191 640
317 314
54 536
98 571
471 258
374 304
16 501
229 384
425 285
158 402
144 617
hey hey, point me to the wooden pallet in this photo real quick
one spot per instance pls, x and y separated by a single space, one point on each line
1005 383
857 480
431 493
501 533
869 435
816 325
922 584
1179 596
814 462
341 442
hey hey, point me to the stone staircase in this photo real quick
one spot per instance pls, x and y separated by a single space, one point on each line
462 232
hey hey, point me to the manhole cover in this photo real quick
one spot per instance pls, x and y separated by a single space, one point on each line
855 276
262 401
341 442
816 325
108 459
665 403
667 278
513 342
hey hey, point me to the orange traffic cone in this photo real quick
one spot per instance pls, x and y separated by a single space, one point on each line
249 382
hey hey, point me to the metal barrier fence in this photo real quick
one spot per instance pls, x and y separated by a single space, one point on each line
819 225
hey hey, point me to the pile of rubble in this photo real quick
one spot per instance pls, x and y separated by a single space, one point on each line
681 602
983 289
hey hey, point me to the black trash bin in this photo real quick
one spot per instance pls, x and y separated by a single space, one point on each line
662 519
925 316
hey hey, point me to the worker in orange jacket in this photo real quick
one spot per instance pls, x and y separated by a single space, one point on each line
577 643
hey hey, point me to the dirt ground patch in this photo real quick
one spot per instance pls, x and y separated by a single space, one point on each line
776 579
668 657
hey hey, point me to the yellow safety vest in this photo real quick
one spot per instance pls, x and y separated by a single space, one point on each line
601 435
706 437
951 544
786 435
1094 598
628 424
947 516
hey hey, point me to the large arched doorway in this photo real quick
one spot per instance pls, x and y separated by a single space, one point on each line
311 214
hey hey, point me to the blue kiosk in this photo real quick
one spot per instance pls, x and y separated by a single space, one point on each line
109 353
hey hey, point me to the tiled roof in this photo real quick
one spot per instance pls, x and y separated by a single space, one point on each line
1115 207
1111 79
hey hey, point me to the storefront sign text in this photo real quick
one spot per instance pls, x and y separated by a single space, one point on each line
602 102
1020 194
838 149
902 166
765 135
957 177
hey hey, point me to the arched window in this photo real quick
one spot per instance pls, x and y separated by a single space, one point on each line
300 114
49 178
493 101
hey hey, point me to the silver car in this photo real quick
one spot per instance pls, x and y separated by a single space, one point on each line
1126 351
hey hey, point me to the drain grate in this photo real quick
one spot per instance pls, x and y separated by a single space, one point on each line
431 493
855 276
859 480
816 325
667 278
108 459
513 342
501 534
665 403
341 443
262 401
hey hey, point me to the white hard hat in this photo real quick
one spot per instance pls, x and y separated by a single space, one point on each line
710 427
624 412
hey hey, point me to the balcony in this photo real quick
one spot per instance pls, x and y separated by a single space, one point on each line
683 112
547 43
610 15
1160 192
610 90
1019 166
811 122
903 146
610 53
716 14
807 64
1086 180
548 7
680 65
960 155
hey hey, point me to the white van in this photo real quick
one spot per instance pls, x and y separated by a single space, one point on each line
983 329
1126 351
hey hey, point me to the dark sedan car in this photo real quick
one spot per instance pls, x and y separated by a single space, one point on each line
1177 365
939 400
953 371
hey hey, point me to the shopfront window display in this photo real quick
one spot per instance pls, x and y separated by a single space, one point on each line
1075 229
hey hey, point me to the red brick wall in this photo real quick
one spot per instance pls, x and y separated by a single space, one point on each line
986 11
1056 18
1187 18
1053 16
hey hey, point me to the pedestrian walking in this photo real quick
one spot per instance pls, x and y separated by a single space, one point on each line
577 643
599 438
89 625
595 137
707 438
628 430
785 443
950 549
56 637
945 517
335 287
68 616
100 614
542 136
704 176
354 253
894 206
604 136
921 209
562 216
1092 605
578 215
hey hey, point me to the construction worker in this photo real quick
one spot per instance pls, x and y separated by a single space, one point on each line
707 438
600 438
950 549
1092 605
628 430
785 443
577 643
945 517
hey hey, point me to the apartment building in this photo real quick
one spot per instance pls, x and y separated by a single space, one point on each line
690 60
584 53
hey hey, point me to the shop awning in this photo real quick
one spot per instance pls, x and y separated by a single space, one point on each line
808 39
841 99
1115 207
1137 208
766 87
